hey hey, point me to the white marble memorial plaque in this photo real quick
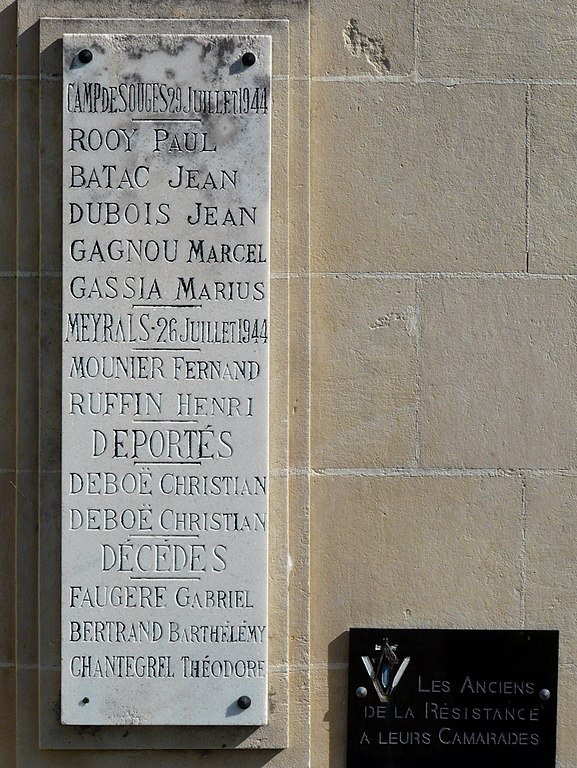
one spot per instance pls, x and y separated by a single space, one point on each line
166 180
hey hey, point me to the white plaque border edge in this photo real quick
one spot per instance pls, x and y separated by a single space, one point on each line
274 735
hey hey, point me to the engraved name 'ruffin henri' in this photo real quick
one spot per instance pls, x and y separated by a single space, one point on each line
165 356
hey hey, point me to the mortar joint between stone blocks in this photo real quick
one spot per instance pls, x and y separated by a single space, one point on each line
418 378
523 593
415 73
528 97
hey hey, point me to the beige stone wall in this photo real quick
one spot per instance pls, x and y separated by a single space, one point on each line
444 267
441 302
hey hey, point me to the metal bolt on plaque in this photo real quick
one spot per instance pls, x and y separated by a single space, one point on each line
544 694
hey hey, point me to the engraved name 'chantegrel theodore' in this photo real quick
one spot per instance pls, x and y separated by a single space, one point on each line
165 359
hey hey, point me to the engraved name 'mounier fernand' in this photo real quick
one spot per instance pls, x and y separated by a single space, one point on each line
165 339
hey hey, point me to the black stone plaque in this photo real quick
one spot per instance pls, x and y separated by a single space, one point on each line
452 698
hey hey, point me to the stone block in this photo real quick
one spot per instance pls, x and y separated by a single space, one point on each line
8 176
8 716
27 308
278 377
498 372
51 373
566 736
553 184
413 551
50 188
363 372
497 39
7 582
27 570
8 409
28 187
329 716
418 178
551 550
8 33
361 38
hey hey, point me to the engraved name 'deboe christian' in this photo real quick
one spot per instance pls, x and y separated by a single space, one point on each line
165 337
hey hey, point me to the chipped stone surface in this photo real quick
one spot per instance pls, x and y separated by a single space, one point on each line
166 179
354 37
361 45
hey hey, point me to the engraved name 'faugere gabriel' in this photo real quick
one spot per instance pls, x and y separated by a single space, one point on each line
157 596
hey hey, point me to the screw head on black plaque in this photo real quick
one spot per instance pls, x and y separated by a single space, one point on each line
244 702
248 59
85 56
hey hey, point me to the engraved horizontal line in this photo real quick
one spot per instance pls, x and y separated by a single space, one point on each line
164 120
165 578
180 306
165 463
163 536
165 349
165 421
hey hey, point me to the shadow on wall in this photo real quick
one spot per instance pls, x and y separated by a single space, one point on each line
8 27
336 716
